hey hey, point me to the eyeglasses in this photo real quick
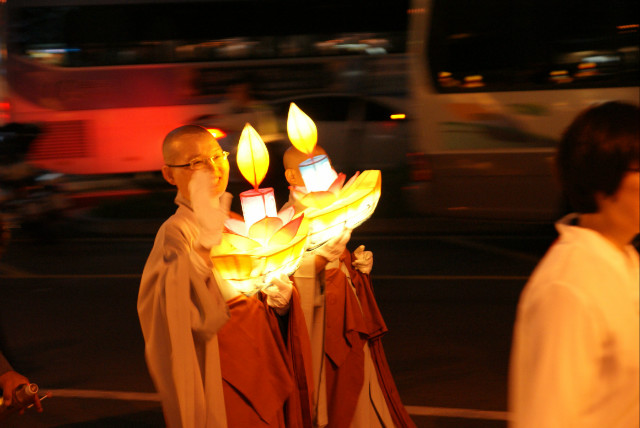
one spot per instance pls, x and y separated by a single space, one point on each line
199 163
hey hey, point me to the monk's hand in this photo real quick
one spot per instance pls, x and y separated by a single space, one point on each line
211 210
278 293
362 260
335 246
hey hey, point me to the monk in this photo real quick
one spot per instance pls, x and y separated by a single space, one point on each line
354 385
217 358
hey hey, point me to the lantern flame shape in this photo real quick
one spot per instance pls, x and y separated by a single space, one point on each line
301 130
253 157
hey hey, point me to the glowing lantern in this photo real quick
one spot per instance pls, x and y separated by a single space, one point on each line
349 207
266 244
317 173
253 162
330 207
301 130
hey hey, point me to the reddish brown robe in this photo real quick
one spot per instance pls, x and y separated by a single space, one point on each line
348 326
266 381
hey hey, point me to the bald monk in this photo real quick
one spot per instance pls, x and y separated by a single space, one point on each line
216 357
354 384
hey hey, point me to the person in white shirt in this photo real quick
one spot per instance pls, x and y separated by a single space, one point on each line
575 358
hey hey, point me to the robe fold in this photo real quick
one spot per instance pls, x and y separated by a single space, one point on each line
266 379
354 327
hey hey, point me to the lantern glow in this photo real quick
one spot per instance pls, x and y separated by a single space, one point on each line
317 173
249 262
253 157
257 204
267 243
302 132
253 162
330 207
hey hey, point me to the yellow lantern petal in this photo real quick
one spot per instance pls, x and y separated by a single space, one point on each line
287 232
318 199
253 157
236 226
241 243
301 129
264 229
286 214
337 184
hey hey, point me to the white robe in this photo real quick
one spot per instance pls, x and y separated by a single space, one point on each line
575 359
181 310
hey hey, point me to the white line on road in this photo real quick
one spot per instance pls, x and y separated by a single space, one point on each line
453 277
151 396
458 413
103 394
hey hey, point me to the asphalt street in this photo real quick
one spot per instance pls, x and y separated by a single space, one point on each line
68 319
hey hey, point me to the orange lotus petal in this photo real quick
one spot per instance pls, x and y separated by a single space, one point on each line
225 247
286 214
350 182
233 266
298 192
240 242
337 183
318 199
265 228
236 226
287 232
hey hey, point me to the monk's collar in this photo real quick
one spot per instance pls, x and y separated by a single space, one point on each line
180 200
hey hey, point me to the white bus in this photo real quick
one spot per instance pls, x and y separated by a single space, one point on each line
493 84
107 79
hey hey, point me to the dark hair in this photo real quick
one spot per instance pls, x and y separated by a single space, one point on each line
596 151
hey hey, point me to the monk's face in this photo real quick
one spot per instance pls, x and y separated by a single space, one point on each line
195 148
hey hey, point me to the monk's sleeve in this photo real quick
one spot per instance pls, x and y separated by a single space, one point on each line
178 302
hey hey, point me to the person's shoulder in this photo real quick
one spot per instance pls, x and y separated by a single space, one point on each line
176 233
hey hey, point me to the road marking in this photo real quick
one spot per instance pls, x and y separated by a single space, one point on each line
154 397
453 277
457 413
103 394
10 272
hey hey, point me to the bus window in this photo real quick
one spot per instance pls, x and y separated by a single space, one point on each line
107 79
501 45
493 84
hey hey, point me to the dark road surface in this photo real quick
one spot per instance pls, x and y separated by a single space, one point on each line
68 321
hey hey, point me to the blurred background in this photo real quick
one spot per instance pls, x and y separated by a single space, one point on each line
459 104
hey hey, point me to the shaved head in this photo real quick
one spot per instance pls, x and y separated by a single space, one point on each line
184 144
293 157
184 136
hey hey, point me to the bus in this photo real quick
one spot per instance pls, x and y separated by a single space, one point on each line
492 85
106 80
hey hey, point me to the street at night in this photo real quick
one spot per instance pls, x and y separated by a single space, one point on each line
69 321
